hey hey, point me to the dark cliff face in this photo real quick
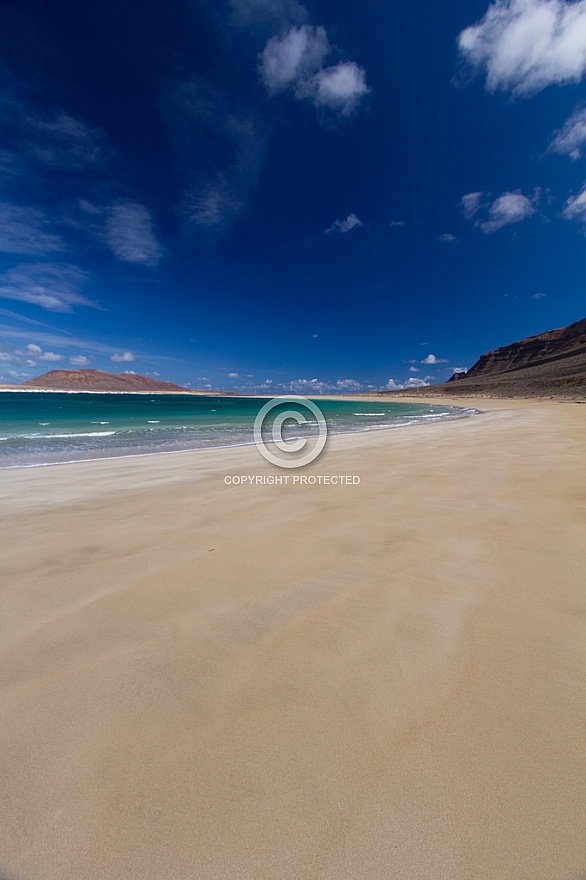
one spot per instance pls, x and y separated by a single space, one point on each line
551 364
98 380
553 345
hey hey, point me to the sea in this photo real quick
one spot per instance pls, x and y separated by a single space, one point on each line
43 427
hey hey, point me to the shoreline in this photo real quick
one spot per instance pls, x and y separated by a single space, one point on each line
374 680
458 412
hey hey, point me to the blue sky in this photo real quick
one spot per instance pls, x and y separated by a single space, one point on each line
270 195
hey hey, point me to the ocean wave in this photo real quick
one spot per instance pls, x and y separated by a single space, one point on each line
59 436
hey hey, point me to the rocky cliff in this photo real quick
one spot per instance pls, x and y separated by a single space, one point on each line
550 364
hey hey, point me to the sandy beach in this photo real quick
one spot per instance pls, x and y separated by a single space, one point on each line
301 682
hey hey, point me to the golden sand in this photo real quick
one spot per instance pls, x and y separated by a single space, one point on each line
385 680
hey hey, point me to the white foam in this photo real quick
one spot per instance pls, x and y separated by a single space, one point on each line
62 436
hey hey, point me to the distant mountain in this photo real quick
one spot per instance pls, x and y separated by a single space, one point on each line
553 363
98 380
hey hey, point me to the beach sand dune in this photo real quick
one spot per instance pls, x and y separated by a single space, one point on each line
383 680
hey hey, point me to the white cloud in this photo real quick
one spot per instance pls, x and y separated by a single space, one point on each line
294 62
291 61
348 385
447 237
510 207
396 224
413 369
432 359
128 373
342 226
460 370
79 360
314 386
570 140
471 203
28 355
57 340
412 382
129 233
539 295
340 88
233 376
53 286
25 230
575 207
122 358
525 45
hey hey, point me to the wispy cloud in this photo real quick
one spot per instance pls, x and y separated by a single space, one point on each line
447 238
271 14
79 360
62 141
49 137
570 140
220 142
471 203
343 226
44 141
294 63
508 208
26 231
129 233
523 46
53 286
53 341
23 318
575 207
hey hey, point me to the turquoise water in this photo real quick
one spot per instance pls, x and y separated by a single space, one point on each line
48 427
